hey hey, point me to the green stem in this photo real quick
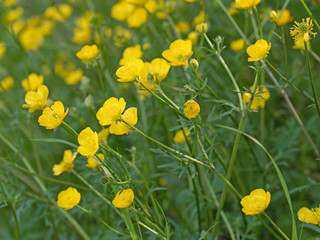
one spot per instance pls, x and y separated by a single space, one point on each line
127 219
275 226
311 79
103 222
101 83
69 129
259 22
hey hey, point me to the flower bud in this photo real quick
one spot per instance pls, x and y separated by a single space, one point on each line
194 65
202 28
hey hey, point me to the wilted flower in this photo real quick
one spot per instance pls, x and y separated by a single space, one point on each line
256 202
36 100
53 116
69 198
66 164
302 30
258 51
88 141
123 199
192 109
179 52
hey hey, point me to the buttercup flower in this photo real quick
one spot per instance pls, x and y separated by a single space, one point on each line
256 202
111 114
179 52
32 82
202 28
2 48
66 164
59 13
302 30
259 100
103 135
137 18
93 163
182 27
193 37
199 19
36 100
246 4
82 33
69 198
130 71
111 111
53 116
258 51
309 216
281 18
238 45
88 141
119 127
123 199
192 109
88 53
131 52
6 84
180 138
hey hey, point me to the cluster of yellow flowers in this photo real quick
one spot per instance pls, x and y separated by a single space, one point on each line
259 99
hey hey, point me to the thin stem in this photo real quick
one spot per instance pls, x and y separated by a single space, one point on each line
101 83
259 22
69 129
275 226
311 79
103 222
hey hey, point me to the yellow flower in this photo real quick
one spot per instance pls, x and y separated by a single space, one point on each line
31 38
256 202
238 45
6 83
299 44
159 69
88 141
302 30
120 36
202 28
59 13
120 128
111 111
182 27
258 51
93 163
137 18
259 100
73 77
123 199
32 82
69 198
199 19
2 48
131 52
281 18
309 216
193 37
179 52
136 2
121 10
130 71
192 0
180 138
88 53
53 116
36 100
66 164
13 14
82 33
246 4
233 9
192 109
9 3
103 135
